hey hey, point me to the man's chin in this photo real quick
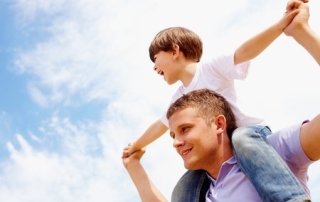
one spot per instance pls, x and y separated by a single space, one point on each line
189 166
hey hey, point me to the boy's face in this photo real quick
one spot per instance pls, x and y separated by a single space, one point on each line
195 141
165 65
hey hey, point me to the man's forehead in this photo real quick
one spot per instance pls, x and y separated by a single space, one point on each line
181 116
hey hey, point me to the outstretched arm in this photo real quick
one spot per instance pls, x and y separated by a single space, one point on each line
300 30
155 130
258 43
147 190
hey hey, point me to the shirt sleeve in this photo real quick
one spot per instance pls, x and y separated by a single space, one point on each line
174 97
164 119
287 144
223 67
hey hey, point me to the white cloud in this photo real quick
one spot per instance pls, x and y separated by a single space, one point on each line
75 173
37 96
98 50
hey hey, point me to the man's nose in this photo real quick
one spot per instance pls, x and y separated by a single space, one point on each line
177 142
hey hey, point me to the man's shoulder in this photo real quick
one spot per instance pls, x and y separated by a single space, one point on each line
285 138
287 143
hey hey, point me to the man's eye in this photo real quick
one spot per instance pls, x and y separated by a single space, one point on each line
185 129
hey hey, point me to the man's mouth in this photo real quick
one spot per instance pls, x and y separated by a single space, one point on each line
160 72
185 152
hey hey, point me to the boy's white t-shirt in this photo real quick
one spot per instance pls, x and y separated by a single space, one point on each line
218 75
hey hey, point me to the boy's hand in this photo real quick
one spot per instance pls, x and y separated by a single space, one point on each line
133 158
301 19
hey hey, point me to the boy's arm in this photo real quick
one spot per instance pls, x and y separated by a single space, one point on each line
255 45
147 190
154 131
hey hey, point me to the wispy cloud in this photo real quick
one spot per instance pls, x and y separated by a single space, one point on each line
93 50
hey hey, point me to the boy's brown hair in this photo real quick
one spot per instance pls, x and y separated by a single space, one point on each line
189 43
208 105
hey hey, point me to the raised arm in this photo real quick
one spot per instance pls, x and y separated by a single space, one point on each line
300 30
258 43
147 190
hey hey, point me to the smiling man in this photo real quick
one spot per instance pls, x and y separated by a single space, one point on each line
201 124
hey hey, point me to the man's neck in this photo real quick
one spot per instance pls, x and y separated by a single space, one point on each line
218 161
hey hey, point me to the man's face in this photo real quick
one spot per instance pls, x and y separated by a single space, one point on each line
194 140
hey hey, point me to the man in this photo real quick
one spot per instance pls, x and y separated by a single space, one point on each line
201 136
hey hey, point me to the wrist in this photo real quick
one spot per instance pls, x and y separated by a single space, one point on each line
132 164
278 27
300 30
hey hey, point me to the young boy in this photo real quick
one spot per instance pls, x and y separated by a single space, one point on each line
176 52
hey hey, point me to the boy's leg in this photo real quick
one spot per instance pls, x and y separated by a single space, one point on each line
192 187
266 170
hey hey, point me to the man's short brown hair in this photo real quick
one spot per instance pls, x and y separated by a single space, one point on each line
208 105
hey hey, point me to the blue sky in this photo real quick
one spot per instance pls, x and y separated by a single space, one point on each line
77 85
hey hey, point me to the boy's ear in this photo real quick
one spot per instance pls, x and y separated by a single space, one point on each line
175 51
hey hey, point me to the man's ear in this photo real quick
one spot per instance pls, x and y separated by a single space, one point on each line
221 123
175 51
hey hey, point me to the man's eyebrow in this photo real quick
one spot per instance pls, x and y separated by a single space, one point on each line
179 128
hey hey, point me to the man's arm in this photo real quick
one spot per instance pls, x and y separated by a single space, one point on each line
310 138
147 190
300 30
311 42
255 45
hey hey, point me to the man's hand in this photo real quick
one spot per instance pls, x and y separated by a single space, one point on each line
301 19
132 158
128 150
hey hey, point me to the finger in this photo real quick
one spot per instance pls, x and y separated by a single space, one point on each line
292 14
293 5
125 154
